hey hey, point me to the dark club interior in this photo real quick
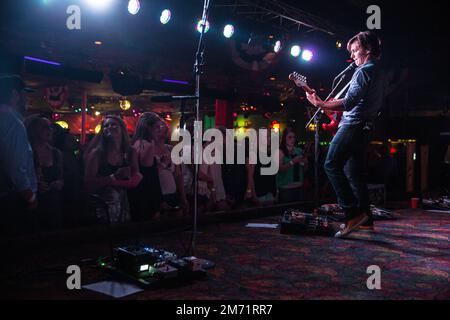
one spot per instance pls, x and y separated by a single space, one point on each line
217 150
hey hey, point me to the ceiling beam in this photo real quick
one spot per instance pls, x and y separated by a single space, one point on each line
286 14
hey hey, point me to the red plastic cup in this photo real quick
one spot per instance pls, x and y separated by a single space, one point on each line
414 203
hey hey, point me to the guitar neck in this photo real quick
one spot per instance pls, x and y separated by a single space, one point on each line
307 89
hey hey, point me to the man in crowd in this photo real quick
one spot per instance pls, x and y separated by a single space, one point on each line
18 184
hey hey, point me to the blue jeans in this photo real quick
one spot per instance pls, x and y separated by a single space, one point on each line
344 167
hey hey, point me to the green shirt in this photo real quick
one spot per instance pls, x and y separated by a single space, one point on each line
287 177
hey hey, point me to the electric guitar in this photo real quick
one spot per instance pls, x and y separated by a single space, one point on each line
334 116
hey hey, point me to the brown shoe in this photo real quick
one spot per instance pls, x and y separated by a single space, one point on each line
352 225
366 228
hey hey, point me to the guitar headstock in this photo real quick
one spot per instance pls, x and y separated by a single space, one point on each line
299 80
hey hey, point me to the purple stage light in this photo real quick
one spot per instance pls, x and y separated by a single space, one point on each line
42 61
175 81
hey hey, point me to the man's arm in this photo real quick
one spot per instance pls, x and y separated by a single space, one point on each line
334 105
18 159
18 162
358 88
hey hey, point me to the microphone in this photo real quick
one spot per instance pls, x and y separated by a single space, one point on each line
343 73
349 68
172 98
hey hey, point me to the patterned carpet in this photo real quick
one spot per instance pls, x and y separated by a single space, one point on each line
413 253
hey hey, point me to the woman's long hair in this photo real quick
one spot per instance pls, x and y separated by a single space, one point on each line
100 142
32 124
283 146
146 121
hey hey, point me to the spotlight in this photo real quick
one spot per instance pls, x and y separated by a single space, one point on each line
295 51
275 126
165 16
307 55
339 44
277 46
98 4
133 6
62 124
200 26
125 104
228 31
144 267
312 127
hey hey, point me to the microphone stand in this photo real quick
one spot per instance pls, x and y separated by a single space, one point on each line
182 110
316 119
198 71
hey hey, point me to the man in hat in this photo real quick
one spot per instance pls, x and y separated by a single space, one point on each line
18 183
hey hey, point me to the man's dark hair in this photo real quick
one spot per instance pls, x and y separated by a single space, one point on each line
369 41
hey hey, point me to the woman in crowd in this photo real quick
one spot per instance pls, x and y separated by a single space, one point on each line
211 186
170 176
234 175
112 167
72 173
261 189
49 171
291 166
145 199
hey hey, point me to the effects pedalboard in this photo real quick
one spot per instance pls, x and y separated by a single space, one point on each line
147 266
294 221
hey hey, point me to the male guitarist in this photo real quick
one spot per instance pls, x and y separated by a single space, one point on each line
345 159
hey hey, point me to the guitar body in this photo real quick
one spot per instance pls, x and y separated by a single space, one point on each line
333 126
335 117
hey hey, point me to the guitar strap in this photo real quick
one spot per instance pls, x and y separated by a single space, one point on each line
342 91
